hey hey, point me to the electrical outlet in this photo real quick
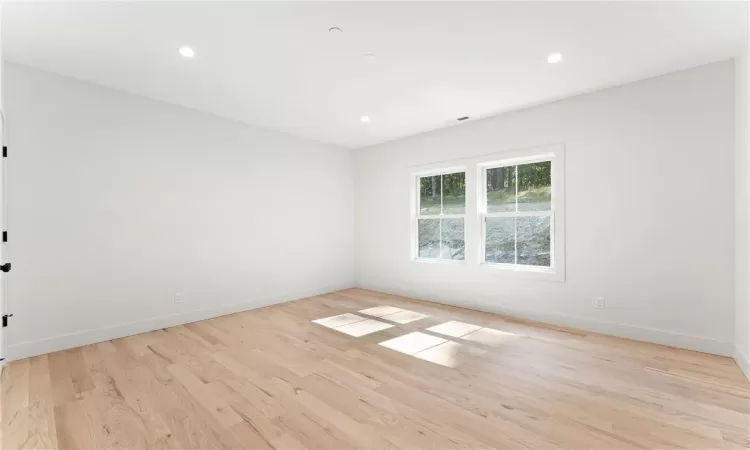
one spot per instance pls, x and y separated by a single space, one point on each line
178 298
599 303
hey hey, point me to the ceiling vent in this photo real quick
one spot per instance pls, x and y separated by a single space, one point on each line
462 119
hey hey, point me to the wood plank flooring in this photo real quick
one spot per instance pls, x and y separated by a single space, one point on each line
269 378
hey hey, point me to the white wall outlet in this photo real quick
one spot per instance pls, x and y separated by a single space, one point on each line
178 298
599 303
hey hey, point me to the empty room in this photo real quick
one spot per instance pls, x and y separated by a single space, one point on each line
359 225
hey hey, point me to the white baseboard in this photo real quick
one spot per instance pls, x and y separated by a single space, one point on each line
72 340
743 361
49 345
697 343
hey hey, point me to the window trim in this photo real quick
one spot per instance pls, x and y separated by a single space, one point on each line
473 166
417 215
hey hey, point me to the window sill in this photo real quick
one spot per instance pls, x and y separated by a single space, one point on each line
538 273
452 262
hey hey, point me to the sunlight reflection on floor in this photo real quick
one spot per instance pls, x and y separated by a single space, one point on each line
412 343
488 336
454 328
340 320
380 311
473 333
449 354
364 327
393 314
405 317
352 324
420 345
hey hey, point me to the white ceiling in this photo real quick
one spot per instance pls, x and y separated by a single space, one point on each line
276 64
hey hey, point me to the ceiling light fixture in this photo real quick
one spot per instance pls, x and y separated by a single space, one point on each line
335 30
364 119
186 51
554 58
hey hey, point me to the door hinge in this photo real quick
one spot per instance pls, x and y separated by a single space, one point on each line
5 236
5 151
5 267
5 319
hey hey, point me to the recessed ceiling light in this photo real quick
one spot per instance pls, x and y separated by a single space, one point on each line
186 51
554 58
335 30
370 58
364 119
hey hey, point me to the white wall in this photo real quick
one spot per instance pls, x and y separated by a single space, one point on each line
117 202
742 217
96 254
649 216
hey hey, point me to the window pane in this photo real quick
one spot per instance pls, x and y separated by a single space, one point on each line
501 189
429 195
500 243
533 241
453 239
454 193
429 238
534 186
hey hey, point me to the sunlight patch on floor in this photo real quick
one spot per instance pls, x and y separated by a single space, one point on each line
405 317
412 343
449 354
489 336
454 328
433 349
393 314
364 327
380 311
340 320
352 324
473 333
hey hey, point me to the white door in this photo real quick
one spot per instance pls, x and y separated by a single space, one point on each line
3 210
3 309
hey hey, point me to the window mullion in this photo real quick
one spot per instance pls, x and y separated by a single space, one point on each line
515 239
515 224
441 195
520 214
484 235
440 224
419 196
442 216
516 179
440 238
552 242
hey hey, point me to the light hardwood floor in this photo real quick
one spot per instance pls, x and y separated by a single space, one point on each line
270 378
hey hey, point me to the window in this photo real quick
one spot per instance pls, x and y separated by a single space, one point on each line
440 214
506 214
517 213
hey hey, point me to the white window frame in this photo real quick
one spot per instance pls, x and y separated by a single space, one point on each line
416 213
554 154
